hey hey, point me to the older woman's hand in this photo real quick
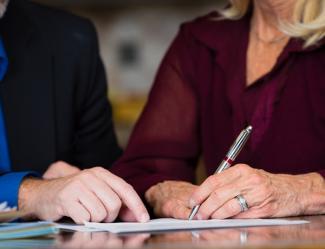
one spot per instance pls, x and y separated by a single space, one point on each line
170 199
267 195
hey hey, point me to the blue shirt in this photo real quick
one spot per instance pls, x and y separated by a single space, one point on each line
9 181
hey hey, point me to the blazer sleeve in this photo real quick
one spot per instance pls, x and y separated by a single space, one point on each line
95 141
9 185
165 142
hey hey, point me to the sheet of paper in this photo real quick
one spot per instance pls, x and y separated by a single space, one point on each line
77 228
174 224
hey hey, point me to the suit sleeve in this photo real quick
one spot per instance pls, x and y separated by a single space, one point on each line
9 185
95 142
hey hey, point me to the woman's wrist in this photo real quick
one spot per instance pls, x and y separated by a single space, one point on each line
313 194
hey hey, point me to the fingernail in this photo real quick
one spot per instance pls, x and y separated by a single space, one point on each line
199 217
192 203
144 217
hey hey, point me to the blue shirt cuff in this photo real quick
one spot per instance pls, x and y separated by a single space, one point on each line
9 185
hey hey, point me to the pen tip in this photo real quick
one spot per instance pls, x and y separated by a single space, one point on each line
249 128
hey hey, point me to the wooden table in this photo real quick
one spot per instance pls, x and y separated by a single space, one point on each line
310 235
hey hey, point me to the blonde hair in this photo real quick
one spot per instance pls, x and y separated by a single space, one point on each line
308 19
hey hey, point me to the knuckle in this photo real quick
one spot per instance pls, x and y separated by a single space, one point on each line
169 204
215 196
169 182
243 168
86 174
128 188
59 164
83 174
76 183
179 211
64 194
256 179
167 207
98 169
264 191
116 205
211 181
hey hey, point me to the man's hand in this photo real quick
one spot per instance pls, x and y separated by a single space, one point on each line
171 198
60 169
90 195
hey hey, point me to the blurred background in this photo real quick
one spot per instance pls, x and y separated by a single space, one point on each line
133 36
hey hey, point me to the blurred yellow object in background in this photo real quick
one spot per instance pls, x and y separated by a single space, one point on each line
127 109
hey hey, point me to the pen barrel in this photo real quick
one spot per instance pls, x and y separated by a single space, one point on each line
234 150
225 164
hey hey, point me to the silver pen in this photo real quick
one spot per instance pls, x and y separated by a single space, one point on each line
229 159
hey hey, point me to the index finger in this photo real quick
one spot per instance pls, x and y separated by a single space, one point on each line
211 184
127 194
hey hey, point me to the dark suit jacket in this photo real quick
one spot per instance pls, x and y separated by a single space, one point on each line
54 95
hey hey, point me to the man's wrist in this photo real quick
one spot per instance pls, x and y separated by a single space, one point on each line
27 195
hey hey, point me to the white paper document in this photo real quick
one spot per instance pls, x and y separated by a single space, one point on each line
174 224
77 228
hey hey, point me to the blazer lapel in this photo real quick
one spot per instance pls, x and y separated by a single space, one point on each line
27 93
